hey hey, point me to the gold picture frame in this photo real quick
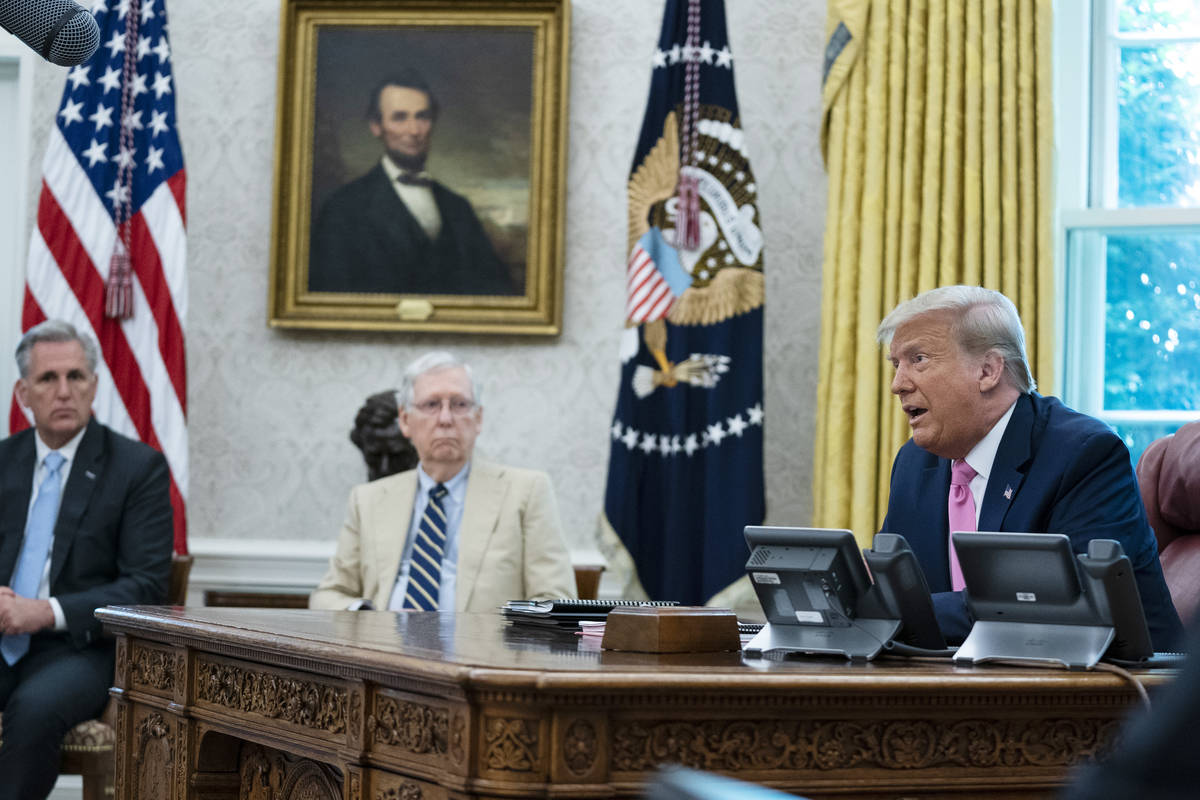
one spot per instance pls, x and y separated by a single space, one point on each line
349 252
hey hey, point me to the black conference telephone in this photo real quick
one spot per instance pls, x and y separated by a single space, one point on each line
819 597
1033 599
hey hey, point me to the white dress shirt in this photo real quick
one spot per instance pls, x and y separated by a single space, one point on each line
983 456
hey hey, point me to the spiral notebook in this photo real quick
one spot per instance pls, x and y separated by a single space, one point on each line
566 614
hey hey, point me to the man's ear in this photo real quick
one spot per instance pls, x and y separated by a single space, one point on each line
991 371
376 128
20 388
402 419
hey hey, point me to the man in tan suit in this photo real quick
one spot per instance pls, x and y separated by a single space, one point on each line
454 533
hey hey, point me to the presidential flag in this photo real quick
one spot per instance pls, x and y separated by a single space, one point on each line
685 472
108 253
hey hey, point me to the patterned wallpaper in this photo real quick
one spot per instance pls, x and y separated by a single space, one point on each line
270 411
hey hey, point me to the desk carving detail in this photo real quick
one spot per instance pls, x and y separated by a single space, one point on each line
458 738
356 703
758 745
122 736
580 746
268 774
181 765
152 759
407 791
300 702
154 669
511 744
123 646
413 727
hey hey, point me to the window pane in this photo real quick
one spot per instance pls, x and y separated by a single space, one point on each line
1157 16
1152 322
1158 100
1139 435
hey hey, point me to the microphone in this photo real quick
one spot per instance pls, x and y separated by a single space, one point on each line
61 31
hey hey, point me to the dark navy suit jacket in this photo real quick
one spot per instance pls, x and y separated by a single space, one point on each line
366 240
113 536
1056 471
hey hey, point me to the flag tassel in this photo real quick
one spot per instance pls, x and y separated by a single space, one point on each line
687 223
118 291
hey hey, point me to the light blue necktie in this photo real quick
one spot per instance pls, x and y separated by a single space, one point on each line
425 565
34 551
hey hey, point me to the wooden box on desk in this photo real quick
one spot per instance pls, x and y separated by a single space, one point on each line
671 629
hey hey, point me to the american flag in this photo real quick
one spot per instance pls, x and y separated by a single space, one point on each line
113 194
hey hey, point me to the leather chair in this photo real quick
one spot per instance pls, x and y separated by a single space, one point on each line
88 748
1169 478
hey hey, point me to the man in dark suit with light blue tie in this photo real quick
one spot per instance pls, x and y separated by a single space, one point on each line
1027 462
85 521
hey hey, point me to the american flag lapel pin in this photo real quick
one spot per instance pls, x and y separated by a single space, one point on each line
1008 493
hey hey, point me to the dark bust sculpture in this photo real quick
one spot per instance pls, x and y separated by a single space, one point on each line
377 434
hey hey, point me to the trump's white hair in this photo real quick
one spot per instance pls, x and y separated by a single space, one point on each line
983 320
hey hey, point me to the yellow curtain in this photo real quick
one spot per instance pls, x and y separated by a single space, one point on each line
937 139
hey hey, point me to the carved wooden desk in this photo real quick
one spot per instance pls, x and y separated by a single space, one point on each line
310 705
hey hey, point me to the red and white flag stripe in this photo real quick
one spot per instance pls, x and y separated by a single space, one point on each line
648 297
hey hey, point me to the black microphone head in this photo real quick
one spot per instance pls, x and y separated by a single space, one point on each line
62 31
77 39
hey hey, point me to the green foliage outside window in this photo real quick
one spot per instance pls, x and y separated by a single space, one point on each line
1152 287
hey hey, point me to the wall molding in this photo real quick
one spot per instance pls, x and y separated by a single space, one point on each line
247 565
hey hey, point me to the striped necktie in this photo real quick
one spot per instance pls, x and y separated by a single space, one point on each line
39 532
425 565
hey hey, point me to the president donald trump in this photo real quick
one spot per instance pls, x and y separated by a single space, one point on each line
988 453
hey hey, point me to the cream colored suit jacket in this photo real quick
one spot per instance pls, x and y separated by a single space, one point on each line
510 544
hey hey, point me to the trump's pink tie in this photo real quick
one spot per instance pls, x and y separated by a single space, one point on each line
962 513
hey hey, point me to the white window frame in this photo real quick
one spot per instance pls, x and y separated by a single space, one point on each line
1086 124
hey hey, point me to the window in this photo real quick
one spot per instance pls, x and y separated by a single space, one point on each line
1128 148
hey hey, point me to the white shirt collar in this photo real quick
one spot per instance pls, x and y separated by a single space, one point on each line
393 171
456 486
983 454
67 451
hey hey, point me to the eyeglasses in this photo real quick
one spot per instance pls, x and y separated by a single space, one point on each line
459 406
